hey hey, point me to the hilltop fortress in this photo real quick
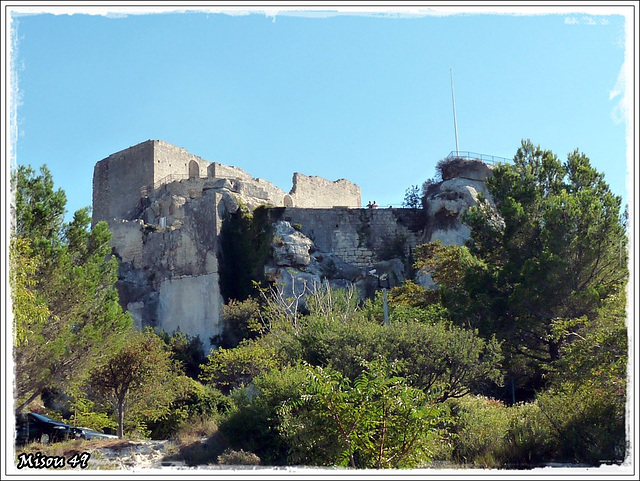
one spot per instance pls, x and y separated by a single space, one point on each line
170 212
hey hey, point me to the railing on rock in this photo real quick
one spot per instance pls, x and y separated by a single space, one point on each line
488 159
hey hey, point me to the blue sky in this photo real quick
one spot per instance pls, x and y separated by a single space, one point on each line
350 94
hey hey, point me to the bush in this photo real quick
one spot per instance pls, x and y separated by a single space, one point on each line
241 320
227 369
588 424
377 421
252 424
489 434
238 458
195 402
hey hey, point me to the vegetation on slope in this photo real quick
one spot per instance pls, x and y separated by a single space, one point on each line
517 359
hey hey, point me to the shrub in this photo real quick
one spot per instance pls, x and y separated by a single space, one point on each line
588 424
489 434
227 369
241 320
252 424
241 458
195 402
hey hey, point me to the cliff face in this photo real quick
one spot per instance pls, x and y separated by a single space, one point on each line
170 249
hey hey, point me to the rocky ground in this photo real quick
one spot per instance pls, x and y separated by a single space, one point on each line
119 456
132 455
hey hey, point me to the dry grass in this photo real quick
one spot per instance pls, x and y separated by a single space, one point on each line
195 430
198 443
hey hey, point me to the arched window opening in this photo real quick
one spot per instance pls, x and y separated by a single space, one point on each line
288 201
194 170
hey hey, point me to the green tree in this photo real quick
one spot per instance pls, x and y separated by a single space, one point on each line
138 380
252 424
553 250
39 209
30 313
66 312
586 403
186 350
241 320
227 369
440 358
378 421
412 198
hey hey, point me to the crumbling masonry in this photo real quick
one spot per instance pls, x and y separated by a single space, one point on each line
166 208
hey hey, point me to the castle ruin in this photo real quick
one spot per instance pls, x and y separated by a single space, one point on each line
167 207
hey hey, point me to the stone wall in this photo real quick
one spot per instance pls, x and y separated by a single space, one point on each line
221 171
117 181
318 193
166 236
124 181
360 237
170 160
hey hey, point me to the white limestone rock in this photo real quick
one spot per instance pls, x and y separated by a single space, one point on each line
290 247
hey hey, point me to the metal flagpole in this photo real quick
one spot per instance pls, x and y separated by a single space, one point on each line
455 123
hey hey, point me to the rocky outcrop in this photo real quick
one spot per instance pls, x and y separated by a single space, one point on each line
463 184
464 181
298 267
290 247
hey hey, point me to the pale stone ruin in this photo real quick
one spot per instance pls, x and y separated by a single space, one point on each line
166 208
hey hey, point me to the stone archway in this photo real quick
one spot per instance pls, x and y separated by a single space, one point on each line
194 170
288 201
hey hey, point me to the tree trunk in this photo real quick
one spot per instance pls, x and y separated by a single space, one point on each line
26 403
120 418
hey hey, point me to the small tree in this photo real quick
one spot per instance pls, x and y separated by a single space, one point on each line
227 369
378 421
412 199
137 380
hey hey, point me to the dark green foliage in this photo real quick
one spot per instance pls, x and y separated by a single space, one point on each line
241 320
563 246
435 356
252 425
39 209
552 252
186 350
431 361
378 421
412 198
66 277
245 247
194 401
586 404
587 424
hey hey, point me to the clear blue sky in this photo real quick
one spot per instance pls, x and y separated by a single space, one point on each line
362 97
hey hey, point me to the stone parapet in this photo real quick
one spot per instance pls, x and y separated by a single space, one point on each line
316 192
